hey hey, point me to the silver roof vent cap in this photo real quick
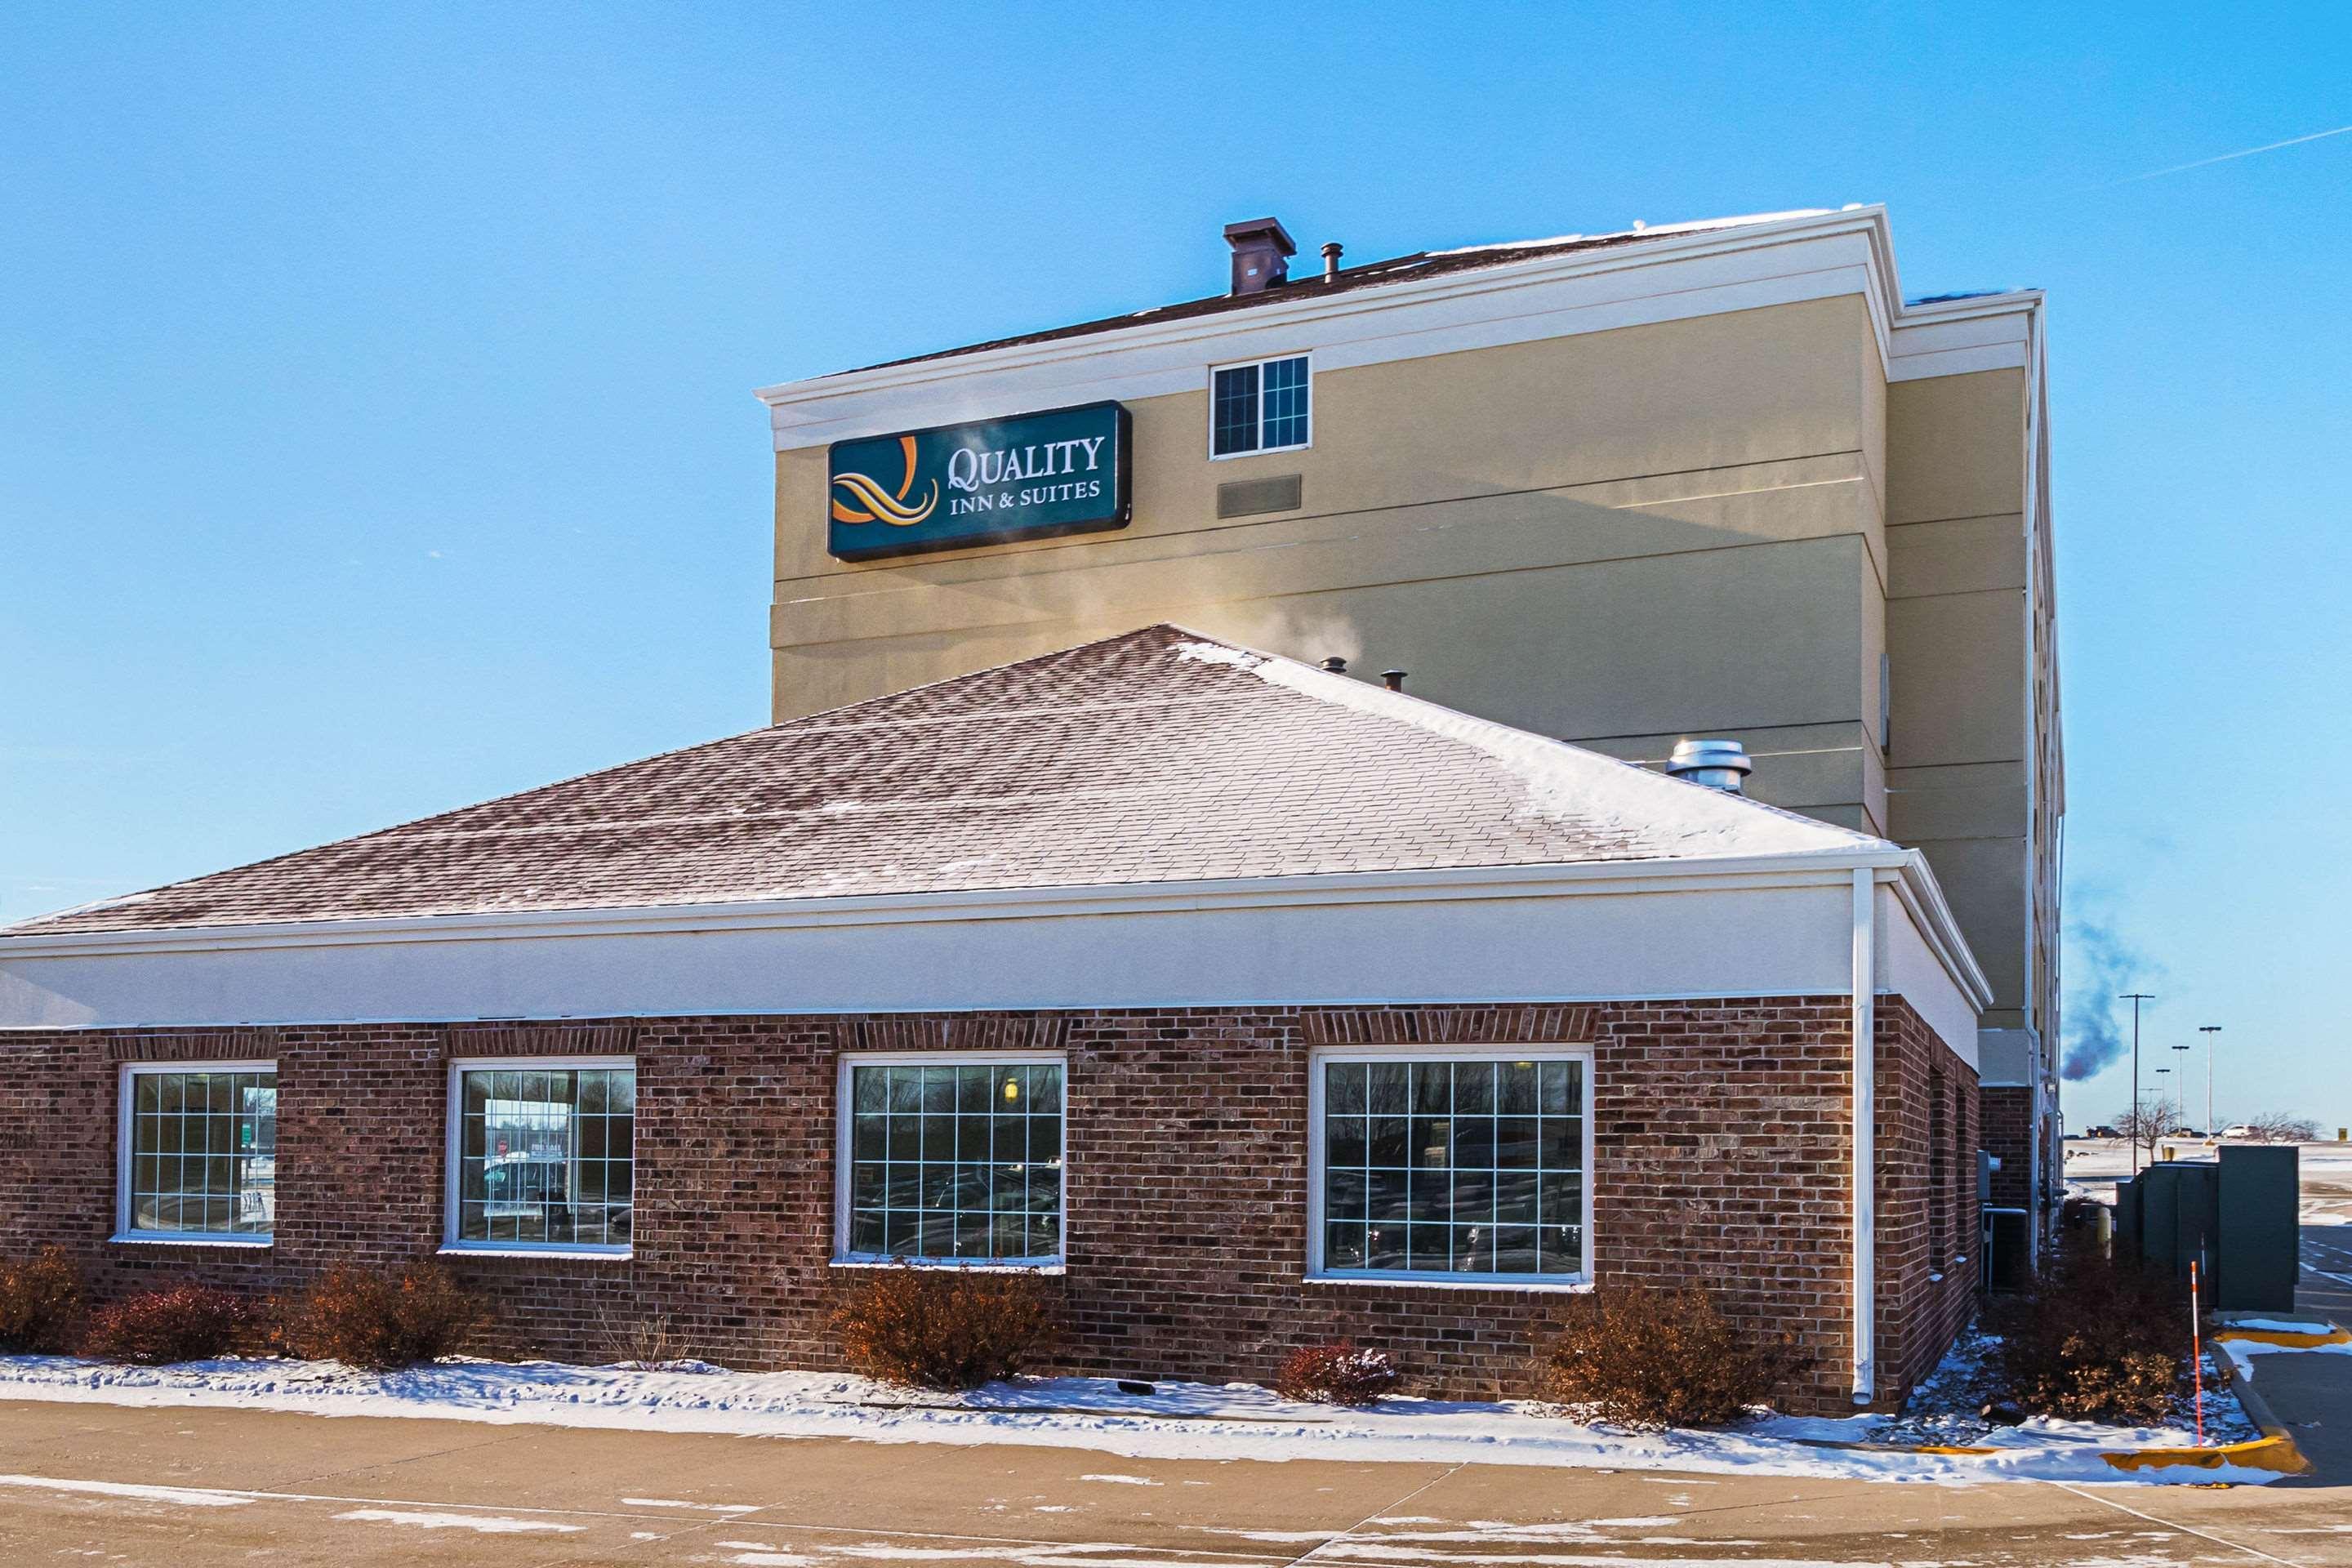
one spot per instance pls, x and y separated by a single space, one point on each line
1717 764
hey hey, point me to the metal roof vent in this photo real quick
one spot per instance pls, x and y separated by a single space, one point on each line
1717 764
1262 253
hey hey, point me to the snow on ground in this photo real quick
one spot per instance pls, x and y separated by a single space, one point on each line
1181 1420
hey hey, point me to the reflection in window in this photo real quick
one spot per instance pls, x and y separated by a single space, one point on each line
958 1162
1454 1167
204 1152
544 1156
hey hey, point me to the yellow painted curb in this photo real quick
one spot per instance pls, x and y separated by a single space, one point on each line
2287 1338
2276 1452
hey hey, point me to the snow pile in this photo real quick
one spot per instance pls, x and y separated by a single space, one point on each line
1178 1420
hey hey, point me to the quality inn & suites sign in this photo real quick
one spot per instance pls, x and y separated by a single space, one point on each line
1027 477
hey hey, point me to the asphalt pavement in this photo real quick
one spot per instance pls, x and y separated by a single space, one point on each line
193 1489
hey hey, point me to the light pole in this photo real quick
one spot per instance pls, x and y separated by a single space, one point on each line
2209 1031
2135 998
2184 1085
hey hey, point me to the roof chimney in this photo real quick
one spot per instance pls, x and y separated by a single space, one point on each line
1330 259
1393 679
1262 253
1717 764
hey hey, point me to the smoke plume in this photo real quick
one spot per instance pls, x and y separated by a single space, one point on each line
2100 966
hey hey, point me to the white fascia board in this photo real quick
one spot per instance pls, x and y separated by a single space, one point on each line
1670 277
26 956
1922 900
1959 337
1015 903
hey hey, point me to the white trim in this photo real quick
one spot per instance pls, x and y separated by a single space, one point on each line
1322 1055
1259 366
452 1245
1702 270
124 1099
1864 1137
843 1160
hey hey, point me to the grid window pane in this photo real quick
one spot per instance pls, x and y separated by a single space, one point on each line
1284 403
1233 411
204 1152
960 1161
1458 1167
546 1156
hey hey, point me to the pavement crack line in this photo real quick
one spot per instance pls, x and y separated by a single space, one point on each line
1378 1513
2184 1528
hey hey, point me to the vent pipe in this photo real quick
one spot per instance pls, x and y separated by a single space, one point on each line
1393 679
1330 259
1336 664
1717 764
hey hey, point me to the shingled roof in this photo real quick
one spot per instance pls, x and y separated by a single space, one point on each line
1158 756
1312 285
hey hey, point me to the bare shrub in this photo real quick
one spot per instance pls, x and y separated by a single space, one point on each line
1647 1358
383 1320
638 1339
1336 1373
2097 1337
180 1322
2284 1127
931 1328
40 1302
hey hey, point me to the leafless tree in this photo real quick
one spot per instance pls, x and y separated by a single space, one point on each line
2282 1127
2148 1124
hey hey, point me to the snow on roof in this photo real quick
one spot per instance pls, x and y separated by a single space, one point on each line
1161 755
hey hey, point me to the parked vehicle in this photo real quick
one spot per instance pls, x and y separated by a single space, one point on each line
2237 1130
2102 1132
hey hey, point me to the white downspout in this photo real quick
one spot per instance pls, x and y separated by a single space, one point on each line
1866 1153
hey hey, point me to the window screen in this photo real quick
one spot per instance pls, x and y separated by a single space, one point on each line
955 1162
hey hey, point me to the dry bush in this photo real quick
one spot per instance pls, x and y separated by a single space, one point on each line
181 1322
936 1327
383 1320
40 1302
1645 1358
1336 1373
2097 1337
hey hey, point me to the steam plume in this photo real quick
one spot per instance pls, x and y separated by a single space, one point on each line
2102 965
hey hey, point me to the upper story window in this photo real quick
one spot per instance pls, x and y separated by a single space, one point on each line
199 1153
542 1155
1260 407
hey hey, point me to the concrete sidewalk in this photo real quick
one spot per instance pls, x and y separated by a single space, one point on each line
199 1488
2311 1394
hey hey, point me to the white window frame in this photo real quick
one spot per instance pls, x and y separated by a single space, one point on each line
126 1101
1210 435
1323 1057
842 1133
452 1160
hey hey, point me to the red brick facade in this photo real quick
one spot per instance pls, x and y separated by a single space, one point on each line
2009 1135
1721 1156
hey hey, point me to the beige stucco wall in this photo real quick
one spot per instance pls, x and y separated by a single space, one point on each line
1620 538
1972 765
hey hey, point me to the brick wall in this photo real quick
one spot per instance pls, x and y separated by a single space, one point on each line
2009 1135
1721 1156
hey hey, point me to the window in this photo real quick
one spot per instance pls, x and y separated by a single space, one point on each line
1461 1167
541 1155
950 1160
199 1153
1258 407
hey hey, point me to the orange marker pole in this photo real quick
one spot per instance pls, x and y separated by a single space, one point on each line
2195 1352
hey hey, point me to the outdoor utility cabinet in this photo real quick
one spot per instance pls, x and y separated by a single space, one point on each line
2235 1219
2256 1250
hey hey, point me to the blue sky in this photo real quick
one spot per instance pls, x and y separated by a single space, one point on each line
375 427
